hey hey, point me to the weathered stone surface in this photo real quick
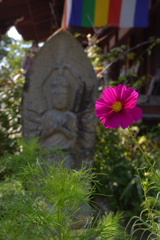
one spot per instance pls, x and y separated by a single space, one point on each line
59 97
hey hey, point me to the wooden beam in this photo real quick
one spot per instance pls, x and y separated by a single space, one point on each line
30 12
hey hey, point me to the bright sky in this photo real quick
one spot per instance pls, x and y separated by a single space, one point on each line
14 34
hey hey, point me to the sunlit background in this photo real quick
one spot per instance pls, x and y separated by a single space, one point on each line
14 34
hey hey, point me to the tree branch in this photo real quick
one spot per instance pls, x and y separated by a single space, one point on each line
124 53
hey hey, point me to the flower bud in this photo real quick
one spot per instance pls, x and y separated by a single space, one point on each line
147 174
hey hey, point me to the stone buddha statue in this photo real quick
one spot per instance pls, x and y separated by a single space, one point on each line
58 127
59 98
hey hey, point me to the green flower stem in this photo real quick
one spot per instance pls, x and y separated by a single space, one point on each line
148 208
143 153
59 223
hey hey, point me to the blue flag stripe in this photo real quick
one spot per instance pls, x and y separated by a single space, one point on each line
141 13
76 13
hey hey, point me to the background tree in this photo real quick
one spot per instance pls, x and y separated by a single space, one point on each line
4 46
11 83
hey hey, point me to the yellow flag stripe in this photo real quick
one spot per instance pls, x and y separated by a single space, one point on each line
101 13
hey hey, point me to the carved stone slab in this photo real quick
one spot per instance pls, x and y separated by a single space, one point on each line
59 97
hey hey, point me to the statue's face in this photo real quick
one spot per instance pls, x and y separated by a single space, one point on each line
60 101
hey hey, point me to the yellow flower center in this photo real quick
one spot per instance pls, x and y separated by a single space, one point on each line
117 106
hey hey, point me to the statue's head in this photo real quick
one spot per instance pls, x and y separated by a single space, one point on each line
60 96
58 86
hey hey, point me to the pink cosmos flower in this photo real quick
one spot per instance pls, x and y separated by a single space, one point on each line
117 107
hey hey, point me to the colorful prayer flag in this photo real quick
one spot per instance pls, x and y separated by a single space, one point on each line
98 13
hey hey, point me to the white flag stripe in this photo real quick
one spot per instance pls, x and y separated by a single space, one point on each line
69 8
127 13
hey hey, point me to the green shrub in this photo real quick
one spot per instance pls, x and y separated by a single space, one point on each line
52 205
148 222
11 84
116 161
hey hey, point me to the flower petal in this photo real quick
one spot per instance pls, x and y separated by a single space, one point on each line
113 121
103 112
102 109
101 103
102 119
136 113
120 90
130 92
129 98
109 95
126 119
